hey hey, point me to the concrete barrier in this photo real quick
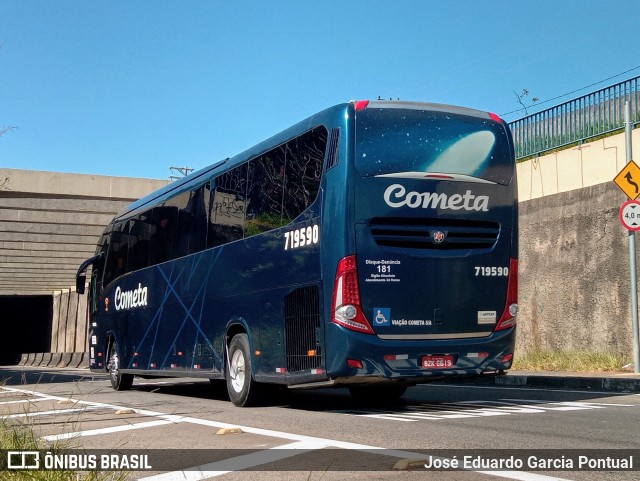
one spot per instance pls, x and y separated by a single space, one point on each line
46 359
38 358
30 357
65 359
76 359
85 361
55 359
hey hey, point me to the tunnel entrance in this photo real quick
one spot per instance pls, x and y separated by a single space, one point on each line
26 326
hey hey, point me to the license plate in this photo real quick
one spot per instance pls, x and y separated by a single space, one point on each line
437 361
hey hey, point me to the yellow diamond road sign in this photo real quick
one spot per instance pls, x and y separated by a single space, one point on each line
628 179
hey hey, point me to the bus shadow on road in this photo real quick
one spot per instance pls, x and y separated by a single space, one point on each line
20 376
427 399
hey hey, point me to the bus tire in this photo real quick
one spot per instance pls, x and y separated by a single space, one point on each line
242 389
119 381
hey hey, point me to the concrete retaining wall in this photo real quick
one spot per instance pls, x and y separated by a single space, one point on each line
69 324
574 272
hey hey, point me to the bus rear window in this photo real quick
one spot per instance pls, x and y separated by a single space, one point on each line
415 141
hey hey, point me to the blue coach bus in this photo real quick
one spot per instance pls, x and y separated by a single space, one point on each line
373 246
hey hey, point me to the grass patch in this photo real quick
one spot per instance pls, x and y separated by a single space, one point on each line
20 437
582 361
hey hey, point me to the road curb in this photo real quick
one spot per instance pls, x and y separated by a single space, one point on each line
572 382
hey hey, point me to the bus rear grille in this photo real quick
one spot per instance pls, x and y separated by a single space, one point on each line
302 323
436 234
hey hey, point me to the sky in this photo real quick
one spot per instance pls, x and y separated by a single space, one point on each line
131 88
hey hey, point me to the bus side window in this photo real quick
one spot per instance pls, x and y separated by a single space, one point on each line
198 211
117 255
158 218
265 191
97 272
227 207
140 233
132 244
304 172
177 225
94 289
103 245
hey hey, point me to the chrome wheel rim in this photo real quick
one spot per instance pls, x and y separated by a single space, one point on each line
113 366
237 371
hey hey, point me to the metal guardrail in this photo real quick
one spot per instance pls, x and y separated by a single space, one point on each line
592 115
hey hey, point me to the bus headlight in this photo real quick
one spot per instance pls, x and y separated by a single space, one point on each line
513 309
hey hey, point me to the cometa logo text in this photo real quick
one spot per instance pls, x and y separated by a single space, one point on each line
130 299
397 196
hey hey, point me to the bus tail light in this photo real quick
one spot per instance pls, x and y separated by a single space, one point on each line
508 318
495 117
347 310
361 104
355 363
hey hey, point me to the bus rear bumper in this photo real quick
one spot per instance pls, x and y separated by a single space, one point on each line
371 359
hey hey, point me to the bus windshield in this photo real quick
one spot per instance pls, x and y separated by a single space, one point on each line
413 142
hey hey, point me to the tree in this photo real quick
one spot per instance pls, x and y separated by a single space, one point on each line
525 93
4 130
4 182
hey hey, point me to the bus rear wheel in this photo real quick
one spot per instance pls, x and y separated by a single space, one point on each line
242 389
119 381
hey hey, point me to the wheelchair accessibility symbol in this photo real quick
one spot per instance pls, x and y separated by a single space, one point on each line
382 316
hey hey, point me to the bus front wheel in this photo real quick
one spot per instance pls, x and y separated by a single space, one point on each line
119 381
242 389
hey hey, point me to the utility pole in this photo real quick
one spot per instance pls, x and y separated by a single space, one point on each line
632 251
180 170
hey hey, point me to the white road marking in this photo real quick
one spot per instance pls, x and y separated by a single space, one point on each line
47 413
522 388
473 409
22 401
507 407
301 443
587 405
112 429
218 468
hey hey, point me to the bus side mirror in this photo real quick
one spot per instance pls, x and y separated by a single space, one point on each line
81 280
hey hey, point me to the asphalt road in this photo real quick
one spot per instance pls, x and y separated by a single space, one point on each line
325 434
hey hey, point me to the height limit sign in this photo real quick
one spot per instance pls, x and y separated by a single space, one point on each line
630 215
